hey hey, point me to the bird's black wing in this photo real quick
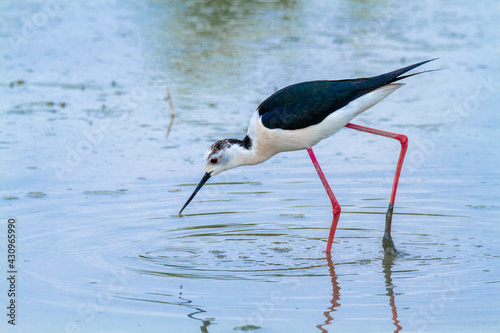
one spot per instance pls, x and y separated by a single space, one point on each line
309 103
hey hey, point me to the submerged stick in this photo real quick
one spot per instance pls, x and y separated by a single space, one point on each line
170 125
169 99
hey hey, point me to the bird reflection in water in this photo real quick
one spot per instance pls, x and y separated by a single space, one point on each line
387 264
335 295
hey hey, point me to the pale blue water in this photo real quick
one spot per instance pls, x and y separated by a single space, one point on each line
95 171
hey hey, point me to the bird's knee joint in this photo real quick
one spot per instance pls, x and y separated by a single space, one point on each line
403 139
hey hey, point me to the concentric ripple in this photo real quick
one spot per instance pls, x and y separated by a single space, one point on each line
242 251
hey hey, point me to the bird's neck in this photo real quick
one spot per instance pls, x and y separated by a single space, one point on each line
255 147
248 152
257 142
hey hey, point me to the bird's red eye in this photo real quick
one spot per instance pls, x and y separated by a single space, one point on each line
213 161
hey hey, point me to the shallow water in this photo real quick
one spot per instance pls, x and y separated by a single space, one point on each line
94 169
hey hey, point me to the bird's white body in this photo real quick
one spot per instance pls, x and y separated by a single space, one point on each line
268 142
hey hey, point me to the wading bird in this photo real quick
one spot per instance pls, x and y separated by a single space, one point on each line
301 115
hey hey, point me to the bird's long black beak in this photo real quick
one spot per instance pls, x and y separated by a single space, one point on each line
203 181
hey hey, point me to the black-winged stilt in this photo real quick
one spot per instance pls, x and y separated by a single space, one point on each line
301 115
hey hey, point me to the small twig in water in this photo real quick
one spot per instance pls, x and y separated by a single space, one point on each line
169 99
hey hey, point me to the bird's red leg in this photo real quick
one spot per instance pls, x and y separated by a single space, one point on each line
403 139
335 203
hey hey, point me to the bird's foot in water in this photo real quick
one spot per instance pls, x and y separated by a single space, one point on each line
388 244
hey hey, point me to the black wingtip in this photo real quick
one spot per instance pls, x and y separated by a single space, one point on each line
398 74
421 63
410 67
422 72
